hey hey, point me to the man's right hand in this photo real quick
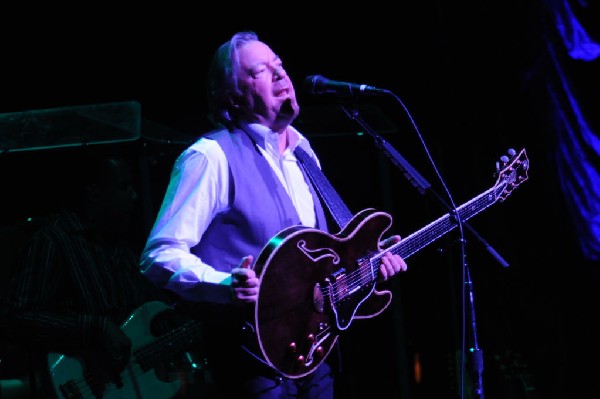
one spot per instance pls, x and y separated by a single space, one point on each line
244 282
108 360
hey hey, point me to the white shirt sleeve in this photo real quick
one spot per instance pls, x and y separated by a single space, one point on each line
196 192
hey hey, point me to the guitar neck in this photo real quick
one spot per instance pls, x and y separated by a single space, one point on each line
176 341
436 229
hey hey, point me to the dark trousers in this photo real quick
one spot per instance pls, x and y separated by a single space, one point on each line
236 369
238 372
317 385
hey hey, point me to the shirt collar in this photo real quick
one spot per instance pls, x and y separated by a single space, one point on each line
267 139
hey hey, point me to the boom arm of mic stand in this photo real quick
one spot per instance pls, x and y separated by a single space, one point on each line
414 177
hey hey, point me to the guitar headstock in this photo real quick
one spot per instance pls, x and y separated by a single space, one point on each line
511 171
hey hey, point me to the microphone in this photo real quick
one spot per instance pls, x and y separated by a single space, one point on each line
317 84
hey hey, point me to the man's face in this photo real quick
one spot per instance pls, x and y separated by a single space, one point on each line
268 95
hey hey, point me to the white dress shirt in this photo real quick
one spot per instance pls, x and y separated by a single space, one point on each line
199 190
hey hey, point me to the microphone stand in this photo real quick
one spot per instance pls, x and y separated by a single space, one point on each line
423 186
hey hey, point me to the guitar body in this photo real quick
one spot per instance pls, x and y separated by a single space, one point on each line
305 299
313 284
140 377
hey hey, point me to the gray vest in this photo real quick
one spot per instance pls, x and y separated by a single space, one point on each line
260 207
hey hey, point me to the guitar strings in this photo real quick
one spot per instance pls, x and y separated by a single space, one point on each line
368 268
513 175
84 385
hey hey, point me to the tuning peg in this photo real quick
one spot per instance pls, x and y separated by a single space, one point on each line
504 159
512 152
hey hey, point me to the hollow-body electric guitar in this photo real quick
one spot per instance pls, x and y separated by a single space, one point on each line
313 284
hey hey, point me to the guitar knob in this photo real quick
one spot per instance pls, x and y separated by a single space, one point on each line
300 360
292 346
320 351
311 337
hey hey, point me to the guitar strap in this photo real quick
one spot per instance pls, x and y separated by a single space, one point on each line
337 207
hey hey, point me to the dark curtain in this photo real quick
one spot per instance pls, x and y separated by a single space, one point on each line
573 92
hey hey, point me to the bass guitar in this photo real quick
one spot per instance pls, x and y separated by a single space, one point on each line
313 284
72 380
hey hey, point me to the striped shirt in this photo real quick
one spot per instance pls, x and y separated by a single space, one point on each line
69 282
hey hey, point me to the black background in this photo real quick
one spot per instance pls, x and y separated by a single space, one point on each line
469 76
